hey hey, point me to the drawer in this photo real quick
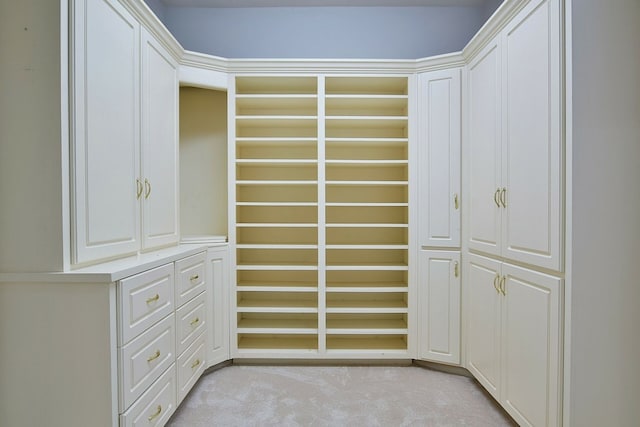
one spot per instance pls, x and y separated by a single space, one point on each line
190 277
143 300
144 359
190 322
190 366
156 405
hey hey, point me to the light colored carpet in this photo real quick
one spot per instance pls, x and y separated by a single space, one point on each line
336 396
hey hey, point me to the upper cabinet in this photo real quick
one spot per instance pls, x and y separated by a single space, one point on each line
124 161
439 112
514 141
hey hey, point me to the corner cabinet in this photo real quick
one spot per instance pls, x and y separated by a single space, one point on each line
124 133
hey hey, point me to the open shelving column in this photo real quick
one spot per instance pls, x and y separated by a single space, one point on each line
366 168
277 214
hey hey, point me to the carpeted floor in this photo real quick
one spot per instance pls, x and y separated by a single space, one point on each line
336 396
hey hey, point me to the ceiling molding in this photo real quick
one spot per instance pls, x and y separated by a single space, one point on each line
318 3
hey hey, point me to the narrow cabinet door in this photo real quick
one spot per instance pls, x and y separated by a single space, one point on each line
439 306
218 303
106 131
530 346
482 276
531 230
483 147
159 144
439 165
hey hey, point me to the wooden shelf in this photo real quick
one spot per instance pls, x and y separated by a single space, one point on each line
289 85
287 342
367 342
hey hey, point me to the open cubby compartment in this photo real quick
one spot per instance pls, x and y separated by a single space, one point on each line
366 85
366 193
277 148
277 214
272 255
276 127
366 149
373 342
286 342
367 257
367 214
294 280
277 235
367 280
366 105
278 322
367 236
267 192
367 302
283 85
366 127
367 172
277 302
276 171
276 105
350 322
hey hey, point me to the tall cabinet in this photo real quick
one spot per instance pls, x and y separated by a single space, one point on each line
514 188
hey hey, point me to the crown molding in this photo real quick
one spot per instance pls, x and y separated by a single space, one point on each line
440 62
315 66
150 21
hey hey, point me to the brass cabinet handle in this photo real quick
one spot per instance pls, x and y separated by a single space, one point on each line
194 277
503 197
139 188
496 280
154 356
503 288
195 364
456 203
496 197
194 321
155 415
154 298
147 186
455 269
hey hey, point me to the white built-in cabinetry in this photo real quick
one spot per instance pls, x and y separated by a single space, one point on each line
321 214
124 151
513 215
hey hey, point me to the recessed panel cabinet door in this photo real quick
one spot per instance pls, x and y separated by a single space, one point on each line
531 223
106 124
159 144
483 210
439 167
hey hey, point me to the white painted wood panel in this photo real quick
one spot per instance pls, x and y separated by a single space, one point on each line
439 306
106 139
218 304
439 165
160 225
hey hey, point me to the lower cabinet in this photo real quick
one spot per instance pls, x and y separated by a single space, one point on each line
439 306
218 303
514 339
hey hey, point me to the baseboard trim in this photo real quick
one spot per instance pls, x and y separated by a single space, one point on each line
449 369
323 362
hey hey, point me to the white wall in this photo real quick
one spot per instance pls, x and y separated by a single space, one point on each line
605 291
325 32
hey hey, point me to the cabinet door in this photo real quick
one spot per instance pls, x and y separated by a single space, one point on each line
159 144
483 317
218 304
531 136
439 306
482 209
439 167
530 346
106 131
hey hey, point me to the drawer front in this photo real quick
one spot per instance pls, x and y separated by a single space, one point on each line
144 299
190 322
190 277
156 405
144 359
190 366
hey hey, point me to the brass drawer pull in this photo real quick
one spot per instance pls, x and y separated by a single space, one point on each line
496 197
195 364
194 321
154 298
455 269
140 189
154 357
155 415
503 197
496 280
503 285
456 203
147 185
194 277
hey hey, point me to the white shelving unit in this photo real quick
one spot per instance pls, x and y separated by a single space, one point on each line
321 214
